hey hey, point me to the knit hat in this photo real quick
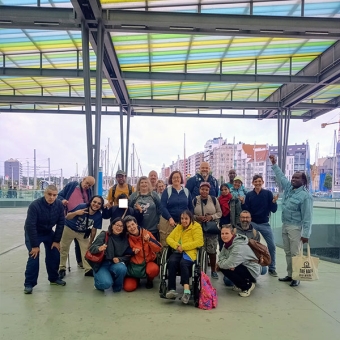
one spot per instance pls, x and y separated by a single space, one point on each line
238 178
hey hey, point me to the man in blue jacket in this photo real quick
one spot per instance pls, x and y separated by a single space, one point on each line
297 213
42 215
193 183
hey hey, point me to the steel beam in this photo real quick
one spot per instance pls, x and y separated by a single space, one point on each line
222 24
154 103
128 119
169 22
167 76
327 68
143 114
121 125
312 114
43 72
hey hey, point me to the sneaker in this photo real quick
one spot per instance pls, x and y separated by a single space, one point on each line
58 282
246 293
272 272
185 298
28 290
285 279
236 289
171 294
89 273
62 273
149 284
214 275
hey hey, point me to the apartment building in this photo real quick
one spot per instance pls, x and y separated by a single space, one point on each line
222 162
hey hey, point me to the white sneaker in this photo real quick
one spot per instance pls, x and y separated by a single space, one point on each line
236 289
171 294
246 293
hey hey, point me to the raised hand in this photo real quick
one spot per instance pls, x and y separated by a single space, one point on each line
272 159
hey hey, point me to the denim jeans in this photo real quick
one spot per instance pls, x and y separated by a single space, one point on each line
267 233
229 283
52 259
110 275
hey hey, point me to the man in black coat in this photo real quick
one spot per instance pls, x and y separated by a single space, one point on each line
43 214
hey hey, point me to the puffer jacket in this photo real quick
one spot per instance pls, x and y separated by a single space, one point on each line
148 249
191 239
239 253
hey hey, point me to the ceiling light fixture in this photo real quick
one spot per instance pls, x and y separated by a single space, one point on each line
133 26
271 31
317 32
181 28
220 29
47 23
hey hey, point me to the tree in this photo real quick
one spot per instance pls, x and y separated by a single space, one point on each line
328 182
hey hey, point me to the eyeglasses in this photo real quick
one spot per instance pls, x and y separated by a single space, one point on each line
119 225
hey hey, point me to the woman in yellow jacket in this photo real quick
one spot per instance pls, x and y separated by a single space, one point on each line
184 239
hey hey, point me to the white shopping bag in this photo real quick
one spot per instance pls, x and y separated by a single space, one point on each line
305 268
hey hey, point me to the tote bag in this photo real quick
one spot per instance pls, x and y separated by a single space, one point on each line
305 268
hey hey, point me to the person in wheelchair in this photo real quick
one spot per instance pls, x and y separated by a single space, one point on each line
185 238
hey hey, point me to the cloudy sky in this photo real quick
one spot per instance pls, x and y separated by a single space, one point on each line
62 138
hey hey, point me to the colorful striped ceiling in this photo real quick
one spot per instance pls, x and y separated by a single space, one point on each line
175 53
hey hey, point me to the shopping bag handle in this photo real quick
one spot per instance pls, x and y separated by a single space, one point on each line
301 249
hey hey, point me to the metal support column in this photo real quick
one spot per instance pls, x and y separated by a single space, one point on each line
122 166
87 94
285 137
99 84
279 141
127 139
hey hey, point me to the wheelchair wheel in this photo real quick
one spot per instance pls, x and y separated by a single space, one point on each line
204 261
196 285
162 289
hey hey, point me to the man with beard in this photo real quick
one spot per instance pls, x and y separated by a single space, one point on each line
193 183
297 213
245 228
120 188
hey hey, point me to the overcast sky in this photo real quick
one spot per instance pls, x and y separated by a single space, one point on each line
62 138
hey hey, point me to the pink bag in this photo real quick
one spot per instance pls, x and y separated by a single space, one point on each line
208 295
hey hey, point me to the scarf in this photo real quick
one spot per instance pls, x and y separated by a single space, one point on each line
224 203
228 244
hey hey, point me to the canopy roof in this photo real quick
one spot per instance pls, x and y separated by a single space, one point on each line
173 57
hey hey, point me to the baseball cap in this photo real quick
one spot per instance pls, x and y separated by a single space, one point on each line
121 172
238 178
205 184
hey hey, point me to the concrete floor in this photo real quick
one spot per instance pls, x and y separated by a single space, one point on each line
78 311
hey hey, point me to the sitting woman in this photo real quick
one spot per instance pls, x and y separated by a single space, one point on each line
237 261
144 247
109 274
184 239
206 209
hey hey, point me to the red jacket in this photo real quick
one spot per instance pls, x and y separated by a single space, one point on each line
150 248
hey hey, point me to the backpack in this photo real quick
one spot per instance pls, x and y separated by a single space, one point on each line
169 189
208 296
114 191
261 252
136 197
212 197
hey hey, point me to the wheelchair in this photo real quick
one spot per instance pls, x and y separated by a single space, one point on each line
201 264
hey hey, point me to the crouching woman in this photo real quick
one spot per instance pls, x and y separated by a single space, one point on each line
144 247
185 238
238 262
109 274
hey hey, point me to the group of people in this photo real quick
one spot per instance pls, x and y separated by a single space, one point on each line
151 216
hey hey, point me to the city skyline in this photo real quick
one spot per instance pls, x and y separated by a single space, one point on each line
158 140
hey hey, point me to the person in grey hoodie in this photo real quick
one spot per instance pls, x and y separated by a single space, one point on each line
238 262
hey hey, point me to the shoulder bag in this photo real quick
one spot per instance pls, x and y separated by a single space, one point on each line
209 227
98 257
